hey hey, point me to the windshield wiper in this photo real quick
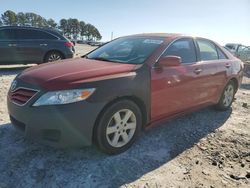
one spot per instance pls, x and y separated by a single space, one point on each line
100 59
103 59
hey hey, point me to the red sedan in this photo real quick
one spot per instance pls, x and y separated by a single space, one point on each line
110 95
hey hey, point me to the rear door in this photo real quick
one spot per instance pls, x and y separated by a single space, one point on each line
33 44
215 70
176 89
8 46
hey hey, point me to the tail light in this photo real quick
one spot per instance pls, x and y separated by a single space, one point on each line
69 44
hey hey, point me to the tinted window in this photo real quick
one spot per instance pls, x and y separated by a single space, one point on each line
231 46
221 54
7 34
207 50
183 48
28 34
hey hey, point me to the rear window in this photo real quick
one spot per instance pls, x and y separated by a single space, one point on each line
28 34
221 54
207 50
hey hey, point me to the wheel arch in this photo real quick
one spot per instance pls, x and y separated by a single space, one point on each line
136 100
236 83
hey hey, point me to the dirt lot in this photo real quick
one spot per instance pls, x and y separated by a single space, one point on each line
203 149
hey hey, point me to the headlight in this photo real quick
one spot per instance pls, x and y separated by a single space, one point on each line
63 97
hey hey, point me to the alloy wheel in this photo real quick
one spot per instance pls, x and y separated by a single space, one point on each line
121 128
228 95
54 57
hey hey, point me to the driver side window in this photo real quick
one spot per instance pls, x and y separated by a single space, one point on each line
183 48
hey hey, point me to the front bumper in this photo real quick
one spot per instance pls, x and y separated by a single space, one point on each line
69 125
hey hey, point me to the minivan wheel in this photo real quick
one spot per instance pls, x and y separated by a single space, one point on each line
118 127
227 97
53 56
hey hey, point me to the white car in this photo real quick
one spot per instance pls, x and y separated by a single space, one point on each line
240 51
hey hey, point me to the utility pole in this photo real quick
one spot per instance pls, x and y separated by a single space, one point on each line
112 35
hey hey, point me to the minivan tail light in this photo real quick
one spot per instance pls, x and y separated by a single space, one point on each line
69 44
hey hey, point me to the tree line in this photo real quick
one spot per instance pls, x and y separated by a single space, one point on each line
72 27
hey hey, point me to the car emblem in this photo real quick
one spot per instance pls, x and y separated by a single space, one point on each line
13 85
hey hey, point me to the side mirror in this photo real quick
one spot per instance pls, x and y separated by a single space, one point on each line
169 61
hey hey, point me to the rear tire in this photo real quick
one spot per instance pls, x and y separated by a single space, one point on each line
227 97
118 127
53 56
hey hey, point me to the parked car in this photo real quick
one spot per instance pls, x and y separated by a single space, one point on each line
94 43
232 47
240 51
23 45
113 93
81 42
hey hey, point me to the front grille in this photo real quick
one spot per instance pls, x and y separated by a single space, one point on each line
22 95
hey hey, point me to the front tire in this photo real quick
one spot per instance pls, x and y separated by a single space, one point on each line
227 97
118 127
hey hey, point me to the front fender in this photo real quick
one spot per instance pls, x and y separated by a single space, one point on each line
133 84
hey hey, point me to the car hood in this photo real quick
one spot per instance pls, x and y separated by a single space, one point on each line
70 73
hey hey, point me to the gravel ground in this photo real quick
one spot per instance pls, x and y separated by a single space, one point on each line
202 149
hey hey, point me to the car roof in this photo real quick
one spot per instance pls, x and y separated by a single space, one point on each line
158 35
163 35
25 27
50 30
233 44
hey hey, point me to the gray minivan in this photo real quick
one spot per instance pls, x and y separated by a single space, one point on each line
24 45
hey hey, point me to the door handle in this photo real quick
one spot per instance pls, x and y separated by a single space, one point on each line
227 65
43 44
197 71
12 45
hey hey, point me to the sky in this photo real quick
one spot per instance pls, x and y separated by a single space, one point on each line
224 21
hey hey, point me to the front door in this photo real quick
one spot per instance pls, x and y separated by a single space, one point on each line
175 89
8 46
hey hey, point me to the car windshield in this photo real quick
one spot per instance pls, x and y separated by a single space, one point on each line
128 50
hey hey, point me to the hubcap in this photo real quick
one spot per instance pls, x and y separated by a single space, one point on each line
228 95
54 57
121 128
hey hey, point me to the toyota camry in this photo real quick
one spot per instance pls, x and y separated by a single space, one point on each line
110 95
